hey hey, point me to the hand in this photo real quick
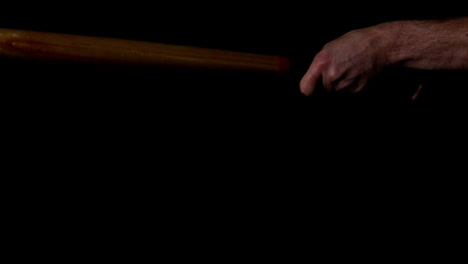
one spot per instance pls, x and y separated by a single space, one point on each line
349 62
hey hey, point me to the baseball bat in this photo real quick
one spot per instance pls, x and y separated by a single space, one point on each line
56 47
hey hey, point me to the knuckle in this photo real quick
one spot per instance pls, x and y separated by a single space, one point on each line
332 74
323 55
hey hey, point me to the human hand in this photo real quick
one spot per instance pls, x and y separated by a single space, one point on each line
349 62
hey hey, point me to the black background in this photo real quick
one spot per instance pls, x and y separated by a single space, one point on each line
200 153
291 30
200 106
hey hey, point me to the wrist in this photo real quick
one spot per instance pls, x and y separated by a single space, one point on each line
391 33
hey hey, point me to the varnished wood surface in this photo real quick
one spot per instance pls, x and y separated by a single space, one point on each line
43 46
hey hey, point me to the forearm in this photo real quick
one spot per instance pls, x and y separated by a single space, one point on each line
431 44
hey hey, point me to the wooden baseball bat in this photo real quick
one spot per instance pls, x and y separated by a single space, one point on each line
42 46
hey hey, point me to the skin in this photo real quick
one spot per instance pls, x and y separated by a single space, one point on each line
349 62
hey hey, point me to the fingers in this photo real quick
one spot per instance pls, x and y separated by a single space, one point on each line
311 79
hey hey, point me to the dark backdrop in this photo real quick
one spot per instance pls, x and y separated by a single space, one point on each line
291 30
200 143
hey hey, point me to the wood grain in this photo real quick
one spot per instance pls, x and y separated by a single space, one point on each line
43 46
